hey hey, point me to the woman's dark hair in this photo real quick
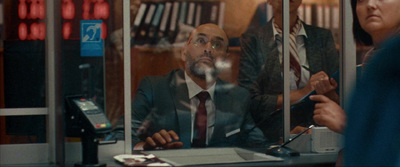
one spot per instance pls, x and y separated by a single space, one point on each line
359 34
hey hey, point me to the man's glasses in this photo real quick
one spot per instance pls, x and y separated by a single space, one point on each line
202 42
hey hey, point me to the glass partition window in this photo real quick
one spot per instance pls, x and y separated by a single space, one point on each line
163 33
321 45
92 55
23 72
175 54
313 53
166 43
94 71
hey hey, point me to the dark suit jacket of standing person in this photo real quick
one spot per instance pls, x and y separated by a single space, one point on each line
162 102
260 69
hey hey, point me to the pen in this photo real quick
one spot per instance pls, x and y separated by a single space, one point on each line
305 67
291 139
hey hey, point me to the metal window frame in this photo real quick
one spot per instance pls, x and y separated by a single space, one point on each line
286 66
54 150
347 47
127 77
347 65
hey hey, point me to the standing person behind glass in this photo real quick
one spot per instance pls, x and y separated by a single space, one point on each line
313 57
375 21
164 111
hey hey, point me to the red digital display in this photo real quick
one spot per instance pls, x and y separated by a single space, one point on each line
31 10
67 30
91 10
32 15
22 9
68 9
22 31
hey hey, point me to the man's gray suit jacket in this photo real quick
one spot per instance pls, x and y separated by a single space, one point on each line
260 69
162 102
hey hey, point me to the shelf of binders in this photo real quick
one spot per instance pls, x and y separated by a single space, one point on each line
323 14
169 23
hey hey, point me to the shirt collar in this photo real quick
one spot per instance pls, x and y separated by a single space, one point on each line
301 32
195 89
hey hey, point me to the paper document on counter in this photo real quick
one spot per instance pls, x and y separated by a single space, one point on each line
203 156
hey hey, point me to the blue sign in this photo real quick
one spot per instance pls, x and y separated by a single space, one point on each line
91 42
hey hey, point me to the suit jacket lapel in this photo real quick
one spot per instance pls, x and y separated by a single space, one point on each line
269 49
223 102
181 100
271 56
312 50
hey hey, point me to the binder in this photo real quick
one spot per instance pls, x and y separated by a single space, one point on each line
173 27
320 15
221 14
205 13
183 12
214 13
138 21
308 14
141 37
155 24
209 12
198 15
164 21
191 12
327 16
335 17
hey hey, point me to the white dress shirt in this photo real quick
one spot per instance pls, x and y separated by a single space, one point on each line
301 49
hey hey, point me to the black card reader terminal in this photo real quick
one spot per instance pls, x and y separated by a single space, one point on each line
87 120
93 115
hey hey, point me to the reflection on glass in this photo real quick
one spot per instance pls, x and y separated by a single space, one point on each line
92 59
162 46
160 29
192 106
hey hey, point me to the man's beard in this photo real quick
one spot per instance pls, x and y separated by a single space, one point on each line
200 70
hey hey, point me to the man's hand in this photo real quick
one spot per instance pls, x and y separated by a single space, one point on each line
162 139
298 94
327 88
314 79
328 113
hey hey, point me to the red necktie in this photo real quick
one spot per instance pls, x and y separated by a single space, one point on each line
201 121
